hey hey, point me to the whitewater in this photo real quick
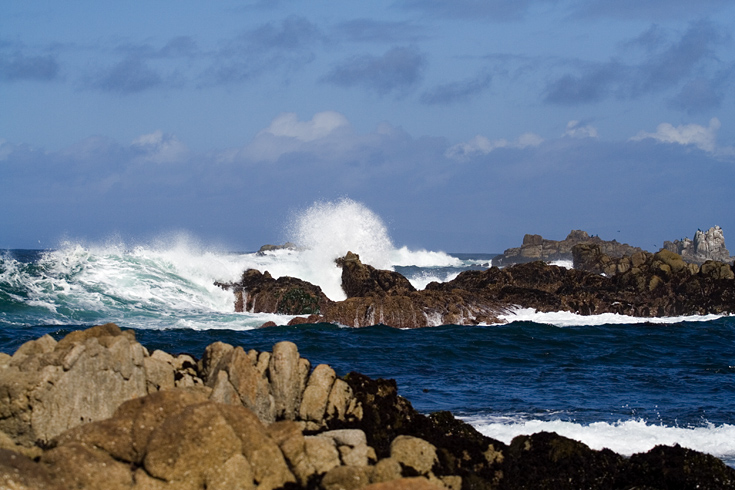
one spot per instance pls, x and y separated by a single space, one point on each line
608 380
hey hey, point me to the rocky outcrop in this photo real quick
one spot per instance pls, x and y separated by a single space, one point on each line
374 297
707 245
535 247
360 279
260 293
641 284
315 431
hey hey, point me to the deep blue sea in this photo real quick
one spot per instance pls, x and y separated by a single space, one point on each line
610 381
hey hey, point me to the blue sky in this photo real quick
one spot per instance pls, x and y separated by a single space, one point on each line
464 124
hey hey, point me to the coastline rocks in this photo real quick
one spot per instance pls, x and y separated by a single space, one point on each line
707 245
185 439
535 247
359 279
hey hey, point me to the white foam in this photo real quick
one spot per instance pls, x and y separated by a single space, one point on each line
568 319
623 437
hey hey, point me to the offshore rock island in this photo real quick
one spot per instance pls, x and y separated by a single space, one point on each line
96 410
608 277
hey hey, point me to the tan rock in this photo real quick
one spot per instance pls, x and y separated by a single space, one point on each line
322 453
235 474
346 478
186 446
386 469
18 472
414 452
416 483
339 399
159 374
285 380
287 434
251 385
77 465
49 387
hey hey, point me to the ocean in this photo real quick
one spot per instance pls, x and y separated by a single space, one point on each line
611 381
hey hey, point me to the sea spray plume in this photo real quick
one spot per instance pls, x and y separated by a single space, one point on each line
327 230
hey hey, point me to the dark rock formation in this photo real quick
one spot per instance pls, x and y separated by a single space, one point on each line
260 293
707 245
535 247
643 284
359 279
258 420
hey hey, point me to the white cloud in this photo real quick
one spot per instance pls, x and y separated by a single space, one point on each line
286 134
158 147
480 145
321 125
574 130
704 138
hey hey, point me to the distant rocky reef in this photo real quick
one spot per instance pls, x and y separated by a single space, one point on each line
96 410
707 245
642 284
535 247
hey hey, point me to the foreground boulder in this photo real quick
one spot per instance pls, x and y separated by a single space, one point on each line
315 430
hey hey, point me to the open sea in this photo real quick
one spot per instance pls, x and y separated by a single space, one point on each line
611 381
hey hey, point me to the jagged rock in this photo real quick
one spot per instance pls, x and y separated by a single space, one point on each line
316 394
359 279
535 247
49 387
288 379
707 245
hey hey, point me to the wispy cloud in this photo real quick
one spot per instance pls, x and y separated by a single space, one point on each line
449 93
396 71
666 65
19 66
265 48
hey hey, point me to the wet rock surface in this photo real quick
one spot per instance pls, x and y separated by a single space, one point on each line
260 420
642 284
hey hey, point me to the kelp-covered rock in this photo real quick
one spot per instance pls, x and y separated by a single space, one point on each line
260 293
